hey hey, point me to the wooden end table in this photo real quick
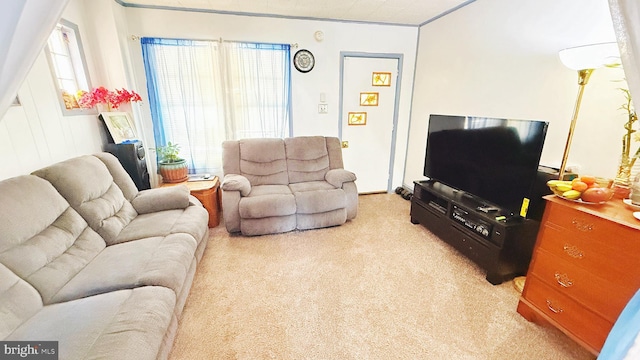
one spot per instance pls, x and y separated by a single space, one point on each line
209 194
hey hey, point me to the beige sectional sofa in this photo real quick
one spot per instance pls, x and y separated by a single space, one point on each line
279 185
89 261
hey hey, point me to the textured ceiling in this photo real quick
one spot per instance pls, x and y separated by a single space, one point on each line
404 12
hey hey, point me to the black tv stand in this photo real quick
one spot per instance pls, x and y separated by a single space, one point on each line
498 241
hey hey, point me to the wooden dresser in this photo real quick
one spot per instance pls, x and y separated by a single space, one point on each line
585 268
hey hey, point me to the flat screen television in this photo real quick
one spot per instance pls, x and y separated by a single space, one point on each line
491 158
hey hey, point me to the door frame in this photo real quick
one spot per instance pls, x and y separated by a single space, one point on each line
396 105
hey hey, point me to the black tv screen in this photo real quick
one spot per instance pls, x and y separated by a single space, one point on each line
494 159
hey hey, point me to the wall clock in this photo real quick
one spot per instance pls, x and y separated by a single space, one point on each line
303 60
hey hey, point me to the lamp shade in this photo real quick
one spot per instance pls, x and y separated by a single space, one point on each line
590 56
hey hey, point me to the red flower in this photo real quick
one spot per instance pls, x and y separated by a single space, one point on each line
103 96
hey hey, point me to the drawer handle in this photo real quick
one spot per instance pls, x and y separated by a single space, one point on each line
573 251
554 309
563 280
581 225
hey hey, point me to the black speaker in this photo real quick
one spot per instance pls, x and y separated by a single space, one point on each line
132 158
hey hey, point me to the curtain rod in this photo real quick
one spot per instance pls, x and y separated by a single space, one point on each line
136 38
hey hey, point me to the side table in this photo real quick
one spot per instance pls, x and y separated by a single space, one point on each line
209 194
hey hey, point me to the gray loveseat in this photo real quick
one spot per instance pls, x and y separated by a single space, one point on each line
89 261
279 185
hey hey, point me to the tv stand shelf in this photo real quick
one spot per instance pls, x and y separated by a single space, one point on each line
497 241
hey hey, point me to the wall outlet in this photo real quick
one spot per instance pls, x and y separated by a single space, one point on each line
323 108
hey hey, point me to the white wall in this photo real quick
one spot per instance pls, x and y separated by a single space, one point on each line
324 78
36 134
500 58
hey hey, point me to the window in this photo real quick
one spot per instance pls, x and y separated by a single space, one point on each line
67 62
204 92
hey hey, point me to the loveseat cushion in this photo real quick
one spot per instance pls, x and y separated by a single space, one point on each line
43 240
267 201
235 182
337 177
307 158
125 324
263 162
161 261
18 301
86 183
264 206
318 201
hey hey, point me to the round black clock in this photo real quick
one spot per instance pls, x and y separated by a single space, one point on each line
303 60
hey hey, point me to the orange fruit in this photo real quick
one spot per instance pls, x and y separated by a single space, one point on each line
579 186
587 179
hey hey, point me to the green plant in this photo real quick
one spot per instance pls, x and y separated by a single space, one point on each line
169 153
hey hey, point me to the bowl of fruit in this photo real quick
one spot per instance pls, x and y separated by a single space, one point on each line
585 189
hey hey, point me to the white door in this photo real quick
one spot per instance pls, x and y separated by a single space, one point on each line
369 139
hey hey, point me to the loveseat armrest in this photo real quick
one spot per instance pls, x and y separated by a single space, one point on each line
337 177
160 199
235 182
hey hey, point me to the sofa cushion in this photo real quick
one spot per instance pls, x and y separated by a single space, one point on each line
119 175
263 161
18 301
193 221
161 261
159 199
44 241
307 158
125 324
86 183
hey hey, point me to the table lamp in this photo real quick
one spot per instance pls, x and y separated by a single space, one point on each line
584 59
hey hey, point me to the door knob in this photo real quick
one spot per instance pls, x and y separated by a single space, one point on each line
345 144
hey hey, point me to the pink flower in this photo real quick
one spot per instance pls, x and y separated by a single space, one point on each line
101 95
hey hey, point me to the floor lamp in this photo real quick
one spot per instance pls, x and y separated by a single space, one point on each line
584 59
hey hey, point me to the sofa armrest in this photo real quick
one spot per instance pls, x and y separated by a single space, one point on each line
337 177
193 201
234 182
159 199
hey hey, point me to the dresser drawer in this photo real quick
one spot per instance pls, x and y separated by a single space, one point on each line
614 263
583 224
571 317
602 296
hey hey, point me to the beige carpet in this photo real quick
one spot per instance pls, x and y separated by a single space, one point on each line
377 287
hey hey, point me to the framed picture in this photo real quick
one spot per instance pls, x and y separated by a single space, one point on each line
357 118
120 126
368 99
381 79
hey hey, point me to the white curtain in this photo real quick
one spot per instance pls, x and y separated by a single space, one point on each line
626 23
25 26
204 92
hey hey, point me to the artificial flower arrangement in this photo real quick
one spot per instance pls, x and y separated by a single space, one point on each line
100 95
